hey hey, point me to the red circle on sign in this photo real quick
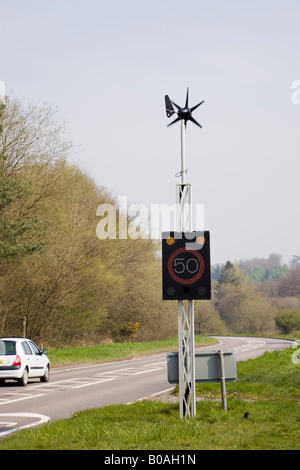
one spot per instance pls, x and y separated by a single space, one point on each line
179 279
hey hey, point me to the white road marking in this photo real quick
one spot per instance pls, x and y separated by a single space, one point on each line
7 424
40 420
94 383
7 402
152 395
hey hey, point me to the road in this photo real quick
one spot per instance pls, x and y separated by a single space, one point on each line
76 388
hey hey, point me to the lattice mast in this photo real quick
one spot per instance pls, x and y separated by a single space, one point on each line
186 343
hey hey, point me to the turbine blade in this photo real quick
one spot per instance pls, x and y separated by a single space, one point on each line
195 107
195 122
187 98
169 108
178 107
176 120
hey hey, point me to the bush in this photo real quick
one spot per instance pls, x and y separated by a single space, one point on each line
288 320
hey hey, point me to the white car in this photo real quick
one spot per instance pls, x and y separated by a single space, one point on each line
21 359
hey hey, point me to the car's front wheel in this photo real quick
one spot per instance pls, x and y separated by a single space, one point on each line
46 375
24 379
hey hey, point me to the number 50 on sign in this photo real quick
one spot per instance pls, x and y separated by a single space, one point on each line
186 265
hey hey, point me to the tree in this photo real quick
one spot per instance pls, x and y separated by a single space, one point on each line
244 310
288 320
229 274
19 235
290 284
207 319
28 136
31 134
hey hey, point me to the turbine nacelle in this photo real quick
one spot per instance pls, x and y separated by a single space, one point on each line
183 113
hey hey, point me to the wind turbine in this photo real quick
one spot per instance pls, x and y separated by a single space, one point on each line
183 113
186 356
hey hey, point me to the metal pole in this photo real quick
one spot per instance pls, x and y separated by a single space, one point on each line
223 378
192 357
186 343
181 365
183 161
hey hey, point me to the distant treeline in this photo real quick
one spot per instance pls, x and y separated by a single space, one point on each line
260 269
258 296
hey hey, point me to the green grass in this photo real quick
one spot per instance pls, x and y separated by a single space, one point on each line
267 387
272 376
156 426
115 351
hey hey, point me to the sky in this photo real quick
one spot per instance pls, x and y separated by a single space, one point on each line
108 65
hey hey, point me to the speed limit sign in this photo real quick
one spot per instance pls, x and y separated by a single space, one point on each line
186 265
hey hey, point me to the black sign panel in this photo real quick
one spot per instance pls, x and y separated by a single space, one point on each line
186 265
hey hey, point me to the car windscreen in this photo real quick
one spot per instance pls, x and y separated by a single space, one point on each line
7 348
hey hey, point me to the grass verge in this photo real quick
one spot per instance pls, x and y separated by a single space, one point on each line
116 351
268 388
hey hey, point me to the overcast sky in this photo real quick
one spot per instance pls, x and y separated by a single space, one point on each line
107 66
